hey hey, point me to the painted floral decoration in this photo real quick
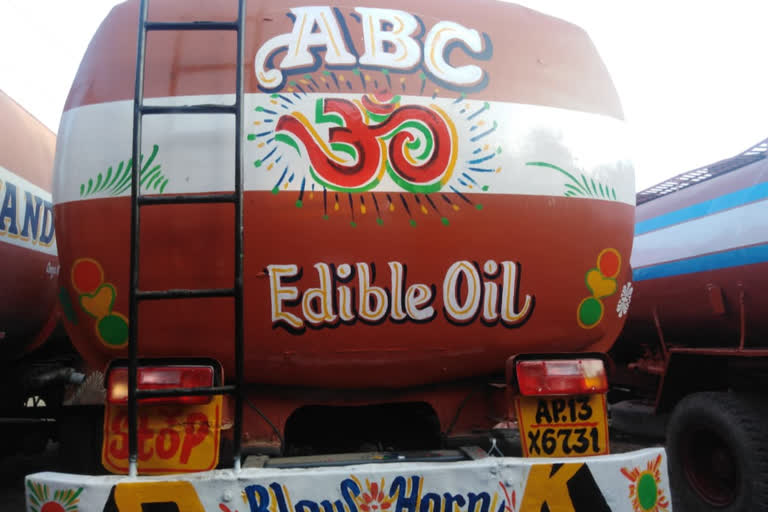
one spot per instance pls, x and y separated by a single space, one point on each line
63 500
626 298
645 488
375 500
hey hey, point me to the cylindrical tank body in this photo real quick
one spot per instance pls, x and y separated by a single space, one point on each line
28 281
700 263
430 188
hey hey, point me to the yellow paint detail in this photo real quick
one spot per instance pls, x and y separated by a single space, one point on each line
400 29
383 161
272 500
424 210
455 207
270 166
363 209
263 78
553 490
301 31
336 206
330 34
287 497
495 499
373 42
432 50
601 286
133 496
408 156
454 143
320 142
391 207
261 144
363 111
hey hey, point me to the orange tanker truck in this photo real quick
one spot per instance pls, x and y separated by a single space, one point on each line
691 361
343 248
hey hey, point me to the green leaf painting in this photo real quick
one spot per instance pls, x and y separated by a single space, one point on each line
116 180
586 187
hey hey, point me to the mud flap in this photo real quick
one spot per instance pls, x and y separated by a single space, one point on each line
619 483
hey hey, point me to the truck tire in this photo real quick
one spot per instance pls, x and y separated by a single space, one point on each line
717 445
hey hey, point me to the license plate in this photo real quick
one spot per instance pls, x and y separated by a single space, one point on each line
563 426
172 438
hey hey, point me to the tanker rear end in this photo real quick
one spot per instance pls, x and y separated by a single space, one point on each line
429 192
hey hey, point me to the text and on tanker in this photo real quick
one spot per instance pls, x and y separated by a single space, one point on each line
26 213
346 293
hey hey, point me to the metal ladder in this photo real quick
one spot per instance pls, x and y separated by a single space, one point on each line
138 200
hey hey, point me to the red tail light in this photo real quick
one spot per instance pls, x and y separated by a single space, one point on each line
160 377
561 377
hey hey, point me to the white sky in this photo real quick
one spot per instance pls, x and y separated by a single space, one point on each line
692 74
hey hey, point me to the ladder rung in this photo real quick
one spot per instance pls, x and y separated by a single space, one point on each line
174 392
188 109
188 199
184 294
194 25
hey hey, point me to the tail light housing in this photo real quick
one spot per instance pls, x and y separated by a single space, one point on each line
160 377
560 377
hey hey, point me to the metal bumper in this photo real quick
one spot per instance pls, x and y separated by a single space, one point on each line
627 482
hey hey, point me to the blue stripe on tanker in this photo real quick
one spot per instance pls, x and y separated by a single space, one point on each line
718 204
725 259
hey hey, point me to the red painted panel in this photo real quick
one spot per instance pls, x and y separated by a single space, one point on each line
555 241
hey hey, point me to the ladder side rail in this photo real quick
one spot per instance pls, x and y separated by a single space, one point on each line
238 299
133 309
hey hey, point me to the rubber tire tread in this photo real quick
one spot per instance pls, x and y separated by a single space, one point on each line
742 421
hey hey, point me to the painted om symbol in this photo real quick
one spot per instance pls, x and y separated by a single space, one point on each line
415 145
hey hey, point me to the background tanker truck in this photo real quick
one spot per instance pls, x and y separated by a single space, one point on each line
692 355
36 361
378 231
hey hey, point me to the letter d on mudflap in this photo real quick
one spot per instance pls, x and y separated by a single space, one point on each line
142 496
